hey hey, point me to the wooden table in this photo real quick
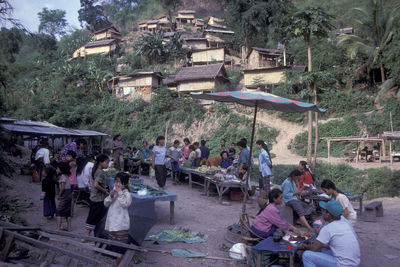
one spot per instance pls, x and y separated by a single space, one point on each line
190 172
222 187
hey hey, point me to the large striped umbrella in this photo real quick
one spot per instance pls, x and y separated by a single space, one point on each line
258 99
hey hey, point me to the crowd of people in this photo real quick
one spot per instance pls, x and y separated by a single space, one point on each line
71 172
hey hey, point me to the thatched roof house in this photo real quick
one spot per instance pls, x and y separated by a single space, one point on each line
106 46
205 78
107 33
263 58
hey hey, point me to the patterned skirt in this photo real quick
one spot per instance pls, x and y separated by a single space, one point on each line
64 205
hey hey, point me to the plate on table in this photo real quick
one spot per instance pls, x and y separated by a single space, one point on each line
293 239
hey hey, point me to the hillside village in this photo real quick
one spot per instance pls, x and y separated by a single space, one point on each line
114 111
208 54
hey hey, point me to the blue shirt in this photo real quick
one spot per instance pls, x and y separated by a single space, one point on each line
264 163
146 152
288 190
244 158
225 163
159 152
205 152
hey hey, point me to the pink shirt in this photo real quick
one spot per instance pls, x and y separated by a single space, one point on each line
72 177
186 151
268 217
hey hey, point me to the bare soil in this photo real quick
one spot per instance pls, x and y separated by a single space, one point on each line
203 214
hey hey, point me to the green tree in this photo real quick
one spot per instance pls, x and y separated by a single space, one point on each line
256 21
376 26
171 6
151 46
305 23
92 14
52 21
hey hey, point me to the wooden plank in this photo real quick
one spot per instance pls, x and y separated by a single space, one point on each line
329 149
172 212
44 245
80 245
127 258
7 248
95 239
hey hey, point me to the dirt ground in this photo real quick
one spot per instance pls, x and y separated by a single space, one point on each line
379 241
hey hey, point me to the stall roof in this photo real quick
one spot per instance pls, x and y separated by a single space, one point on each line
38 128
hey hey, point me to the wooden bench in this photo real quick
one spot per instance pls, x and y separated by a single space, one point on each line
373 210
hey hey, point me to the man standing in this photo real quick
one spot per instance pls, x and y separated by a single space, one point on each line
336 244
243 157
205 153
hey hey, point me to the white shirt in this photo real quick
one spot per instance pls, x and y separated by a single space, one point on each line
43 153
86 174
345 202
198 152
342 240
118 214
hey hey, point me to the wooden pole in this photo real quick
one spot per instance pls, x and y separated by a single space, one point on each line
384 148
390 152
329 149
358 151
250 157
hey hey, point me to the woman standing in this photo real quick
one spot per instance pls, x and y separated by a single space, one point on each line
158 161
348 211
269 219
265 166
117 147
98 193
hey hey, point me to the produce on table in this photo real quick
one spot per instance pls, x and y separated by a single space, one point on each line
155 192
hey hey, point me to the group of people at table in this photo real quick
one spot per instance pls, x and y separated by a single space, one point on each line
191 155
336 243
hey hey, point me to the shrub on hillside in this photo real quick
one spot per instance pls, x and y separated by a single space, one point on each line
347 127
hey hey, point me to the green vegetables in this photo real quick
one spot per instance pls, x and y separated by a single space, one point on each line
155 192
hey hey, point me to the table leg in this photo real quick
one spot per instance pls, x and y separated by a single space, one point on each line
219 193
190 180
259 260
291 260
172 212
361 205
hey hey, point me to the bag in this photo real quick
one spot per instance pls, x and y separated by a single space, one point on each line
42 194
36 175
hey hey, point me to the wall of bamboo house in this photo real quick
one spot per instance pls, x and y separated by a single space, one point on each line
267 76
257 60
208 56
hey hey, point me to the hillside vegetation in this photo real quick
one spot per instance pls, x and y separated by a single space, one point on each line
39 82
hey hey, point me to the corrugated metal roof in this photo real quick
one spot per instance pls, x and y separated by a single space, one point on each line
44 128
201 72
220 31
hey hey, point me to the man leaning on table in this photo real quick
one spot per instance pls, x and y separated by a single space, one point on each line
336 244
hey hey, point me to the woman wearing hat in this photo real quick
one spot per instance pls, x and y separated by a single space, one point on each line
336 244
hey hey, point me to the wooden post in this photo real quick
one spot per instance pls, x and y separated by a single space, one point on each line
384 148
329 149
358 151
172 212
101 144
390 152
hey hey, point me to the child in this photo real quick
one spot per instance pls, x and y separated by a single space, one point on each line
128 153
174 153
198 154
186 148
118 202
136 153
192 155
49 188
71 159
158 161
98 193
64 196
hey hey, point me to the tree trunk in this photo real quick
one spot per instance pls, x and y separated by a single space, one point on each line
382 72
316 142
310 118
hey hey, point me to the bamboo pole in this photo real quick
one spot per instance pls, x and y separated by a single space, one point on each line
390 152
329 149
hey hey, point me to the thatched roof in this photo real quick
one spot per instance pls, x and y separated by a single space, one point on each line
187 11
106 29
266 51
100 43
206 72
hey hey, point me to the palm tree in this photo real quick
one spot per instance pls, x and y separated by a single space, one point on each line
305 23
376 26
151 46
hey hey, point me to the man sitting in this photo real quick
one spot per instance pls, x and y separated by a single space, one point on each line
338 236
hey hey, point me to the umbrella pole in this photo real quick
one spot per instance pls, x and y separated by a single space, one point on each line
249 162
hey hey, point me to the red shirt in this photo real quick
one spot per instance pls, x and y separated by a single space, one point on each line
306 178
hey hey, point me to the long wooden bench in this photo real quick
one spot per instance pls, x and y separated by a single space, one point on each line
373 210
